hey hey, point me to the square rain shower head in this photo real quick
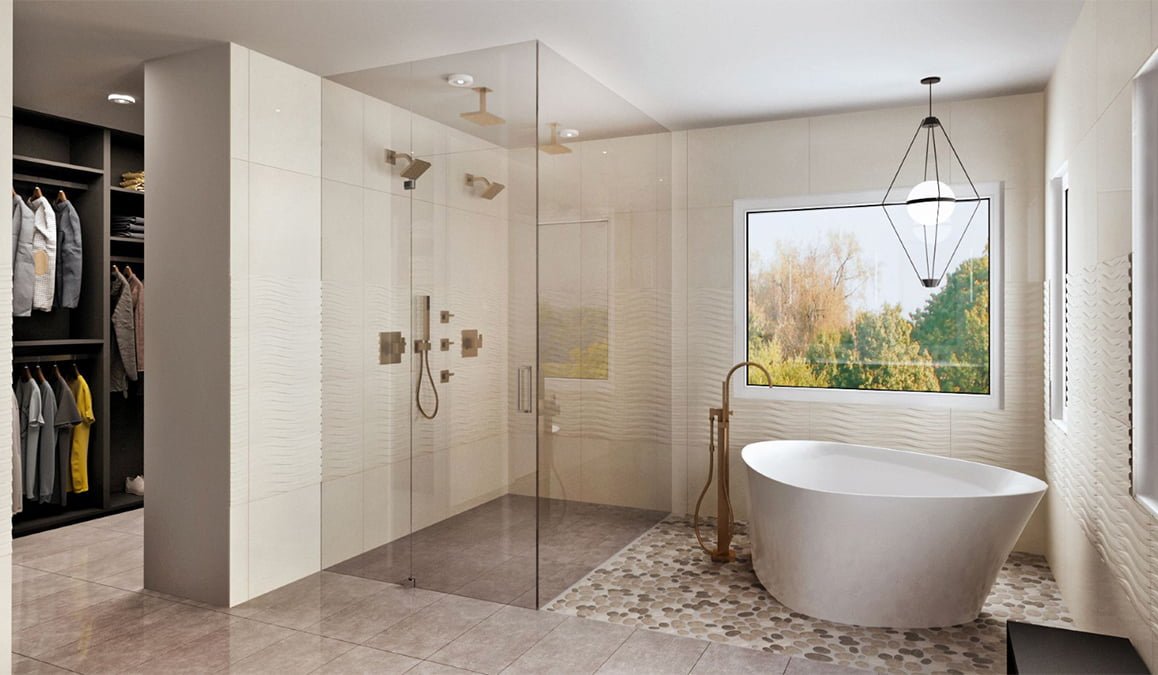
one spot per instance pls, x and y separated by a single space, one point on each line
481 117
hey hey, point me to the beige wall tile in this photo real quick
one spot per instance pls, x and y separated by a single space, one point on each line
862 150
1000 139
1114 139
1114 224
1123 42
709 262
754 160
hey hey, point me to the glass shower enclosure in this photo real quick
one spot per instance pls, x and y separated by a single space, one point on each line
478 357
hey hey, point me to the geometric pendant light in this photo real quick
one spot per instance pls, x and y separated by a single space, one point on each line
930 204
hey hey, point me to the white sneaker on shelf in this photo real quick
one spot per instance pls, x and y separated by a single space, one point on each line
135 486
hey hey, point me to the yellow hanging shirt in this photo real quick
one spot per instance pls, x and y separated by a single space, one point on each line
83 396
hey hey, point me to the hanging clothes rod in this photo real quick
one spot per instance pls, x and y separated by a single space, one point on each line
49 358
133 260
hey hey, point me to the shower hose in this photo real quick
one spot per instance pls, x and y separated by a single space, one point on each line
424 363
704 492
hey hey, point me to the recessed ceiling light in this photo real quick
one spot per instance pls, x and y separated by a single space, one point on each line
568 133
459 80
122 99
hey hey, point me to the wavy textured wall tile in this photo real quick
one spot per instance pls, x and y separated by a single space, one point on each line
342 384
239 390
1088 461
285 403
1011 437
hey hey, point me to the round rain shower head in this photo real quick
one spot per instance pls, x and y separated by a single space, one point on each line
461 80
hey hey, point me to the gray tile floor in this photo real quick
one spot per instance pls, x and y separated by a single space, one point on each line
79 607
488 552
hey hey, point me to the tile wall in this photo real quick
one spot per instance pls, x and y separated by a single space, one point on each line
1000 139
1103 544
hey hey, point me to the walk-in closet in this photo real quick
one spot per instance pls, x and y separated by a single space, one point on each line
78 316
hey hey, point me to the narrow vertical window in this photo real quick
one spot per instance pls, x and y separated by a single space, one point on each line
1058 255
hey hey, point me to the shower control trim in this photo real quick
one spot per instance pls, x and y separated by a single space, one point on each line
472 341
391 347
445 344
445 316
445 375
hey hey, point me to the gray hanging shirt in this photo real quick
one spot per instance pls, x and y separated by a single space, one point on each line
69 255
67 417
46 457
31 419
123 365
23 267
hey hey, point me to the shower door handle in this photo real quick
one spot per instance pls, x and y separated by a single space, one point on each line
526 389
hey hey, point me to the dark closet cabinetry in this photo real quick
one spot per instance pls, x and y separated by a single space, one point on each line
85 162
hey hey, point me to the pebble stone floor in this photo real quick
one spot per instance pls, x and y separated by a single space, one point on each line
664 582
79 607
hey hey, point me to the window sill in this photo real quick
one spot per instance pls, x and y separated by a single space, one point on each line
893 399
1148 503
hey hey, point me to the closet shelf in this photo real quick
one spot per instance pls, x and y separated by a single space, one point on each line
77 342
45 180
60 174
127 191
128 240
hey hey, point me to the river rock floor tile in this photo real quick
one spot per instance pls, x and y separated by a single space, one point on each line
664 582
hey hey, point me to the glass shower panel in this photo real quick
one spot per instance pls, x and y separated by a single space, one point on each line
604 324
469 335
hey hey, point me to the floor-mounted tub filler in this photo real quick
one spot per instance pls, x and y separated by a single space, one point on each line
878 537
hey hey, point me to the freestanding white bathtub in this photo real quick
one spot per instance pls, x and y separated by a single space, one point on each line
878 537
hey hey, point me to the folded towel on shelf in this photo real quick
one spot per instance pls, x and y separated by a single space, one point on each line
133 180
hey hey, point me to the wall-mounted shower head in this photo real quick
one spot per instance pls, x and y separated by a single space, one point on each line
414 168
493 188
481 117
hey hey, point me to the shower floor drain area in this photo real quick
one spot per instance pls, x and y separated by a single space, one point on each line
664 582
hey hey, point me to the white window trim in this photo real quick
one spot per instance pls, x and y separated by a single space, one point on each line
991 401
1055 251
1144 283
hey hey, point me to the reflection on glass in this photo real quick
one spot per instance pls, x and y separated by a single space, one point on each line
573 300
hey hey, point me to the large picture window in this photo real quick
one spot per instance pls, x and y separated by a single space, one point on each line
830 303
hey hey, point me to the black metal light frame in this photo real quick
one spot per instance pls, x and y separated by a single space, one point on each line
930 124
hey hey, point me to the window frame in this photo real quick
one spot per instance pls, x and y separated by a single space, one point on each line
1057 268
994 400
1144 278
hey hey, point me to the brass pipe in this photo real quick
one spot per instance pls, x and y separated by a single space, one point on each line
720 418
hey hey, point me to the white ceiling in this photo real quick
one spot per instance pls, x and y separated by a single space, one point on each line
687 63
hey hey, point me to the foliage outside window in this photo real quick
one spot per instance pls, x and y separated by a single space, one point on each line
832 302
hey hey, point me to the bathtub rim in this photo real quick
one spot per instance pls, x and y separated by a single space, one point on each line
1041 486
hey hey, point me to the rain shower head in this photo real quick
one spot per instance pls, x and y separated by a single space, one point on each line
481 117
414 168
555 147
493 189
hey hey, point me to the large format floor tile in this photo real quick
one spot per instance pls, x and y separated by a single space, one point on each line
489 552
345 624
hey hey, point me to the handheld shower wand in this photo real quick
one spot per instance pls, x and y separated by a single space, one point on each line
422 350
719 420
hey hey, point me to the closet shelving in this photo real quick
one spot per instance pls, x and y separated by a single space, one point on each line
85 161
